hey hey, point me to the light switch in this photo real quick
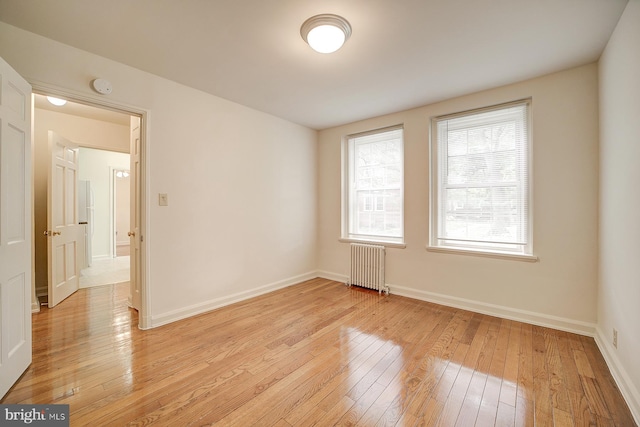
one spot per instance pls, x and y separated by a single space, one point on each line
163 199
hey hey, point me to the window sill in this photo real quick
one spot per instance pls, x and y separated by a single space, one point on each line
384 243
500 255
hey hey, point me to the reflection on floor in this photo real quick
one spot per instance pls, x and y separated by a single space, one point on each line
105 271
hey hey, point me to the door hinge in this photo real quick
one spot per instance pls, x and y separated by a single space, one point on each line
141 238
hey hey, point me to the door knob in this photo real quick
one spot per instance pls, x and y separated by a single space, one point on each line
131 234
57 233
52 233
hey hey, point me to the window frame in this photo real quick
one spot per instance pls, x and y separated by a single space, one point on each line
348 189
476 248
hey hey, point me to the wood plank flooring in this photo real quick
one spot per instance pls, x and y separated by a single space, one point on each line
317 353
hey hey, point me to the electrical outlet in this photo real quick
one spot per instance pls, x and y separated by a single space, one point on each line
163 199
615 338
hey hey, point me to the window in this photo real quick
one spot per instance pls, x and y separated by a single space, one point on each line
373 192
480 180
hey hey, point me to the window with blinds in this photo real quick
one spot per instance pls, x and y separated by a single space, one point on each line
373 190
481 166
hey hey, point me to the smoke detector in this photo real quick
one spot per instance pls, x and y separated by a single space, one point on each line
102 86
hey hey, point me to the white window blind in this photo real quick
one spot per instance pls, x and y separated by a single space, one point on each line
482 180
374 186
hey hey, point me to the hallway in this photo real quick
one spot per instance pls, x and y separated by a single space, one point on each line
105 271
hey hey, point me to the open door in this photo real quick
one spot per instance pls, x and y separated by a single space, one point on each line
135 237
64 233
15 226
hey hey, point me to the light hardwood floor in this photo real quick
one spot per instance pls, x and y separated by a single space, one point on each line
314 353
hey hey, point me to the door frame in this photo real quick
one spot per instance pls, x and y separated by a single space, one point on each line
144 319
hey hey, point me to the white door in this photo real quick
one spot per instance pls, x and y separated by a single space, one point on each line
65 235
135 296
15 226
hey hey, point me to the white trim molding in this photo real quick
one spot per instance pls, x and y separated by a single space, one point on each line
333 276
467 251
504 312
539 319
629 391
384 243
206 306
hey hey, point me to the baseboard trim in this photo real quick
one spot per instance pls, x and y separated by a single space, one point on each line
332 276
629 391
193 310
539 319
504 312
42 291
35 307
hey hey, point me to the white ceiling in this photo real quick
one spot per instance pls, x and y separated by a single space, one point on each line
82 110
401 54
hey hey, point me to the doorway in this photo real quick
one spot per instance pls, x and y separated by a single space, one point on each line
103 182
95 129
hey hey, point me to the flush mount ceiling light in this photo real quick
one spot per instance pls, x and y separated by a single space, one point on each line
56 101
325 33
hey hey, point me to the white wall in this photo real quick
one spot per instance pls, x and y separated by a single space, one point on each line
560 289
97 166
81 130
619 289
241 183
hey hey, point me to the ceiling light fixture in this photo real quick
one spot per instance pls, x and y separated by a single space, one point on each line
325 33
56 101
